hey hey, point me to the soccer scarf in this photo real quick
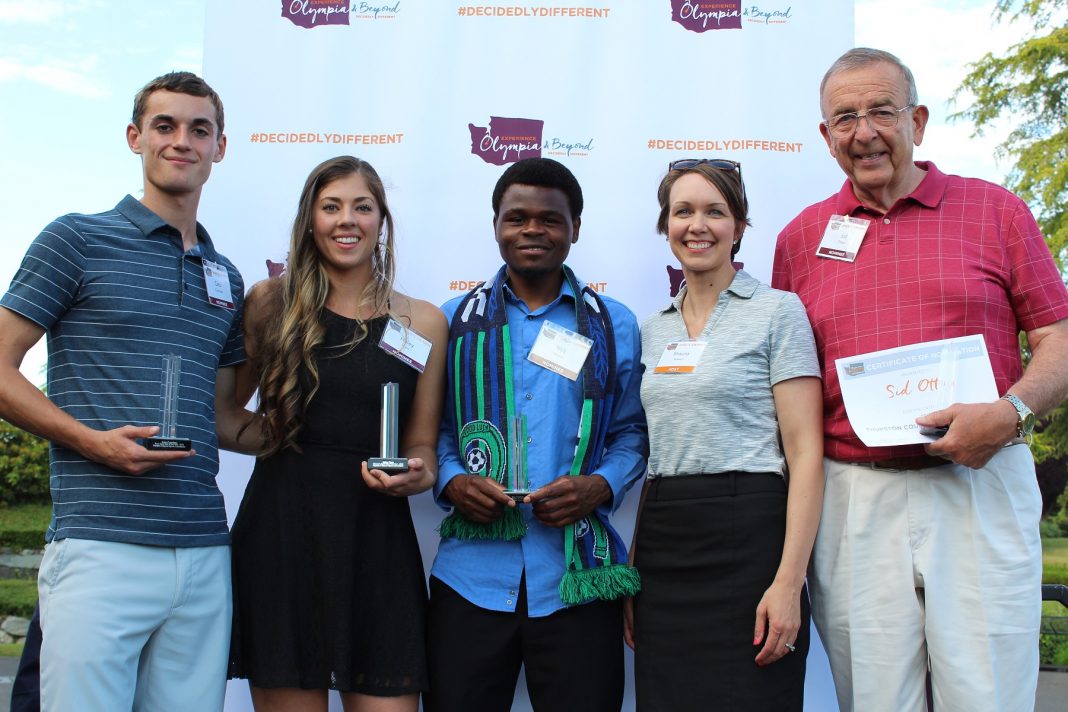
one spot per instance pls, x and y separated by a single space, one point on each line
480 380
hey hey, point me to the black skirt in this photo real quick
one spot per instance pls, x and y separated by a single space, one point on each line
707 548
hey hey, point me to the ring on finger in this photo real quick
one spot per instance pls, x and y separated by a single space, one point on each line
789 646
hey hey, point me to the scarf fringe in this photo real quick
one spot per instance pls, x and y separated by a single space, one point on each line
508 527
606 583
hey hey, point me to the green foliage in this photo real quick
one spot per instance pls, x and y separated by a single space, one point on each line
1049 529
22 526
1055 559
25 517
1051 436
11 650
1053 650
1053 641
1053 526
18 597
23 466
1029 87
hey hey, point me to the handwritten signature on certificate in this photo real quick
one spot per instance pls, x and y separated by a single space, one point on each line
885 391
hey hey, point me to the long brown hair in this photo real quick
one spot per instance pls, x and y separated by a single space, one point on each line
288 375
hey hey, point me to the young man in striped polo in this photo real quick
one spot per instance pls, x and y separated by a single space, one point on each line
135 582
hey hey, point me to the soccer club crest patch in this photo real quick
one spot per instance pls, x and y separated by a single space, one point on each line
484 450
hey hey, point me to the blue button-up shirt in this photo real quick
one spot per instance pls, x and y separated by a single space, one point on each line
488 573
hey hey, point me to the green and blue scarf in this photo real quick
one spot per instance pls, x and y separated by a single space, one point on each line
480 380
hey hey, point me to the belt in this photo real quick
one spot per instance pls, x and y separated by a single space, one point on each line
915 462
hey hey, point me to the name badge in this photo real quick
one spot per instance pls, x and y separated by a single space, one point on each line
842 238
560 350
405 344
217 282
680 357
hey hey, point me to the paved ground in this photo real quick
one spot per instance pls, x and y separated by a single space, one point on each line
1052 692
7 672
1052 688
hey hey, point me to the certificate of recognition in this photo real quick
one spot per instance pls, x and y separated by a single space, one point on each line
885 391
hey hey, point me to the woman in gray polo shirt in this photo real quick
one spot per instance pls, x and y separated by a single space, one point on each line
730 366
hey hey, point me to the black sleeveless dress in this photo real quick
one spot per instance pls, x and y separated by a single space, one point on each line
329 591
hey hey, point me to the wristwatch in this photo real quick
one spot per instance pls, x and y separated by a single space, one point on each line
1026 423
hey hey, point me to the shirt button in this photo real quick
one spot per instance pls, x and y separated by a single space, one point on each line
509 601
530 439
511 593
530 396
886 221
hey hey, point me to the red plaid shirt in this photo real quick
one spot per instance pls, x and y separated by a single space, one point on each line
959 256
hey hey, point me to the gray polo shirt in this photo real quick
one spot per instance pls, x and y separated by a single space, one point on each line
721 417
116 292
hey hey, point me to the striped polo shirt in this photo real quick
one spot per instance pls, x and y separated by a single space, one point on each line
117 293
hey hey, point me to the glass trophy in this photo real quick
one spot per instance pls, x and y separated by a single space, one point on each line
168 427
518 487
389 463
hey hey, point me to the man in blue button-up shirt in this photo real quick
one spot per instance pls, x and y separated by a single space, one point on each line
496 603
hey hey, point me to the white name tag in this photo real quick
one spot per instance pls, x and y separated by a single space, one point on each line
842 238
406 344
680 357
217 282
560 350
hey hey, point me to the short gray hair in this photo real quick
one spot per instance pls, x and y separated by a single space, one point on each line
864 56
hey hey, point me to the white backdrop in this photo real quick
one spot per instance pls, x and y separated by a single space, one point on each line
438 95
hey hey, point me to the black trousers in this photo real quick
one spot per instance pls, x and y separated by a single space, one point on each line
26 687
573 658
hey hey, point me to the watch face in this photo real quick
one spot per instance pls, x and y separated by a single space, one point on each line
1027 425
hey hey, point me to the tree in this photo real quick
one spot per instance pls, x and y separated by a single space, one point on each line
23 466
1029 86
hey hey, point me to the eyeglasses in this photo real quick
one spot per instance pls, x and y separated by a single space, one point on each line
724 164
881 117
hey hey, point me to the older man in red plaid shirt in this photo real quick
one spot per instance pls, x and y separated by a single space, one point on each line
926 554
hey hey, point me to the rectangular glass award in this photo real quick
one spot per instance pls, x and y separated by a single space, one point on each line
390 435
168 426
518 487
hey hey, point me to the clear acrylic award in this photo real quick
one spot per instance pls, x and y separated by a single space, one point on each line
518 487
389 462
168 426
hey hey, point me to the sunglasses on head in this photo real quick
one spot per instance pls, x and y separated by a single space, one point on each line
723 164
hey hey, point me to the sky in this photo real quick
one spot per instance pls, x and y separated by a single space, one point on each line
69 70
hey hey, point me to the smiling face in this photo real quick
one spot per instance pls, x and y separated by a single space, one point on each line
535 231
178 142
346 222
878 162
700 227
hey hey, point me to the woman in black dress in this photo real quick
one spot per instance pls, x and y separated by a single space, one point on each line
329 591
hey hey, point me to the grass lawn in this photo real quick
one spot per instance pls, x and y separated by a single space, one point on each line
22 526
11 650
1055 560
18 597
1055 551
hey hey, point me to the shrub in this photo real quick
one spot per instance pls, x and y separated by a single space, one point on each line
1053 650
1050 529
1057 519
22 526
23 466
18 597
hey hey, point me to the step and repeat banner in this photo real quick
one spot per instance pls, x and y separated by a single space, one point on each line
441 96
